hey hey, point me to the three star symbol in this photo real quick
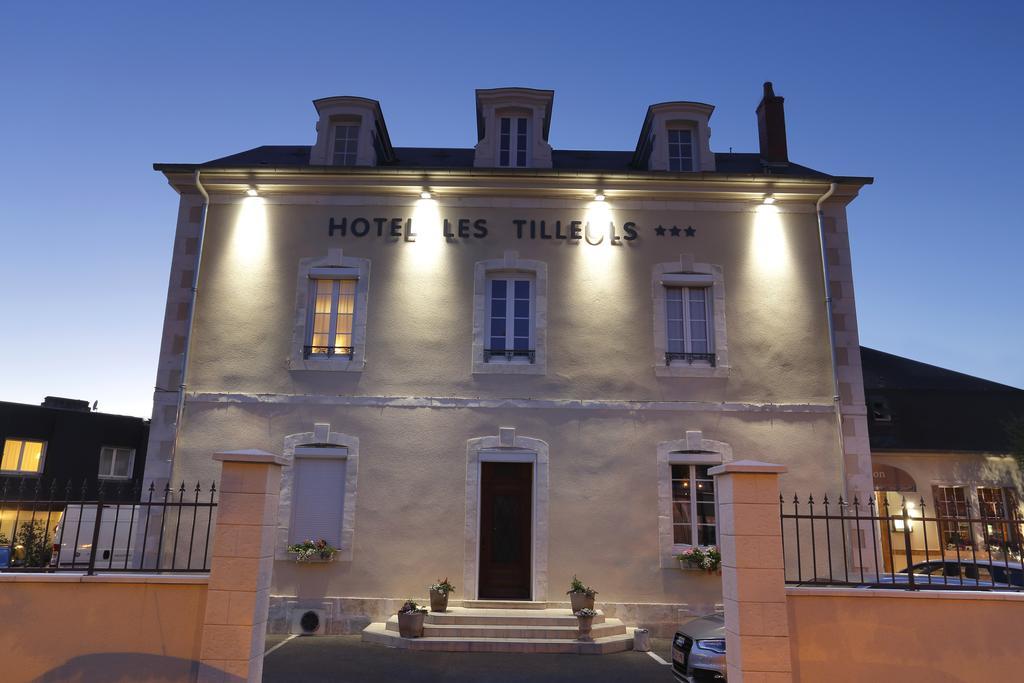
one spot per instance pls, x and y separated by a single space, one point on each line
675 231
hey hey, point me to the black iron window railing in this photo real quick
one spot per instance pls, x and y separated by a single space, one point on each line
689 357
509 354
105 527
327 351
902 546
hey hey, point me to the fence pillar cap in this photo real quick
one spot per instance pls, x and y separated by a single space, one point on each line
250 455
747 467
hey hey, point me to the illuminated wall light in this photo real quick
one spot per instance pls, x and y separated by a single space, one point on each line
252 191
250 236
599 196
769 199
425 194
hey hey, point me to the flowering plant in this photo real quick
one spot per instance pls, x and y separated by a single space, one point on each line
309 550
577 586
410 607
586 612
707 558
442 586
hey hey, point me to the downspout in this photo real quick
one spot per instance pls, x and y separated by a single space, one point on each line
191 319
831 330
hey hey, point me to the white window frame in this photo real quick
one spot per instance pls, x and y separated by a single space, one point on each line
709 337
694 523
354 154
510 279
686 164
686 273
510 266
519 130
21 455
334 266
113 461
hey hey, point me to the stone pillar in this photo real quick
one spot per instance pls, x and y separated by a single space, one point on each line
753 576
235 626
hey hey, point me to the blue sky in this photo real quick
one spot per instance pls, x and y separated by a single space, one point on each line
927 98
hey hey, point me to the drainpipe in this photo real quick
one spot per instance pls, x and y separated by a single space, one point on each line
191 319
831 329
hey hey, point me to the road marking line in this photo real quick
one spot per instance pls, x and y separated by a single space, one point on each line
294 635
655 657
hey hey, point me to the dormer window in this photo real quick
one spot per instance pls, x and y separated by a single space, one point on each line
346 143
514 141
680 149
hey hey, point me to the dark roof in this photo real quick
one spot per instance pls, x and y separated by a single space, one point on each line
915 406
296 156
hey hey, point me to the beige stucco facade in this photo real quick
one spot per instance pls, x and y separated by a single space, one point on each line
590 414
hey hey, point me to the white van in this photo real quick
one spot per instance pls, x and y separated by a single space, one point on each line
113 542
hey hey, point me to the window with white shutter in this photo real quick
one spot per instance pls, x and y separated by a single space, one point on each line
318 495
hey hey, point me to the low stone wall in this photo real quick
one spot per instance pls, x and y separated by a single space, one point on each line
841 634
59 627
350 615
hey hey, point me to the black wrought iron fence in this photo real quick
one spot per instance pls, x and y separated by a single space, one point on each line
878 545
105 527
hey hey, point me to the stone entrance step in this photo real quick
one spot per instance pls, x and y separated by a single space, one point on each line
471 629
503 604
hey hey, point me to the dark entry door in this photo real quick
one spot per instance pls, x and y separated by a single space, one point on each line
506 511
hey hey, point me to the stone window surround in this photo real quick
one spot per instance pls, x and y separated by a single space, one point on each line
303 300
511 263
507 447
320 436
686 266
694 449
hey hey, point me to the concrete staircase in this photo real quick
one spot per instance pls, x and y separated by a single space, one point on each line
491 626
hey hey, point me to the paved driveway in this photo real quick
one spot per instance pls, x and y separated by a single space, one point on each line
346 659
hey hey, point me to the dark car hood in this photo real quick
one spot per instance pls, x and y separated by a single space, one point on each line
712 626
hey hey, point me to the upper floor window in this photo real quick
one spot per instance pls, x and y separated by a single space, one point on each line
680 149
688 310
513 141
346 143
693 505
510 319
116 463
23 456
332 317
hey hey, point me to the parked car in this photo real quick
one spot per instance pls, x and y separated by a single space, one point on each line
968 572
72 536
698 650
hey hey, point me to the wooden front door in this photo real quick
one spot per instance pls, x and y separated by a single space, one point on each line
506 530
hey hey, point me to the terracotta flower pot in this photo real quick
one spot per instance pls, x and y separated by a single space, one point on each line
438 601
585 626
581 600
410 624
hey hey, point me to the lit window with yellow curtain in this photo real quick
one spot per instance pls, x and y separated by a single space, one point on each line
22 455
334 303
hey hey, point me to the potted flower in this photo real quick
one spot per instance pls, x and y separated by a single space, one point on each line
410 620
585 620
708 559
313 551
580 595
439 595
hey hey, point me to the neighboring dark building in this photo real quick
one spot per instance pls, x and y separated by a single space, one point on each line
64 441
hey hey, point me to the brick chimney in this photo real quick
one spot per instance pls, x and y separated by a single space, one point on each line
771 127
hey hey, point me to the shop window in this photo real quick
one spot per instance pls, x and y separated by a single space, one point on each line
513 141
116 463
680 149
23 456
952 512
345 144
694 510
510 319
318 494
688 333
510 316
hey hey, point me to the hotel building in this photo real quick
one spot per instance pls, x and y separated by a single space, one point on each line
509 363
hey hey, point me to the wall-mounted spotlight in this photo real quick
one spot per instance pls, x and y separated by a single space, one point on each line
599 196
769 199
252 191
425 194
